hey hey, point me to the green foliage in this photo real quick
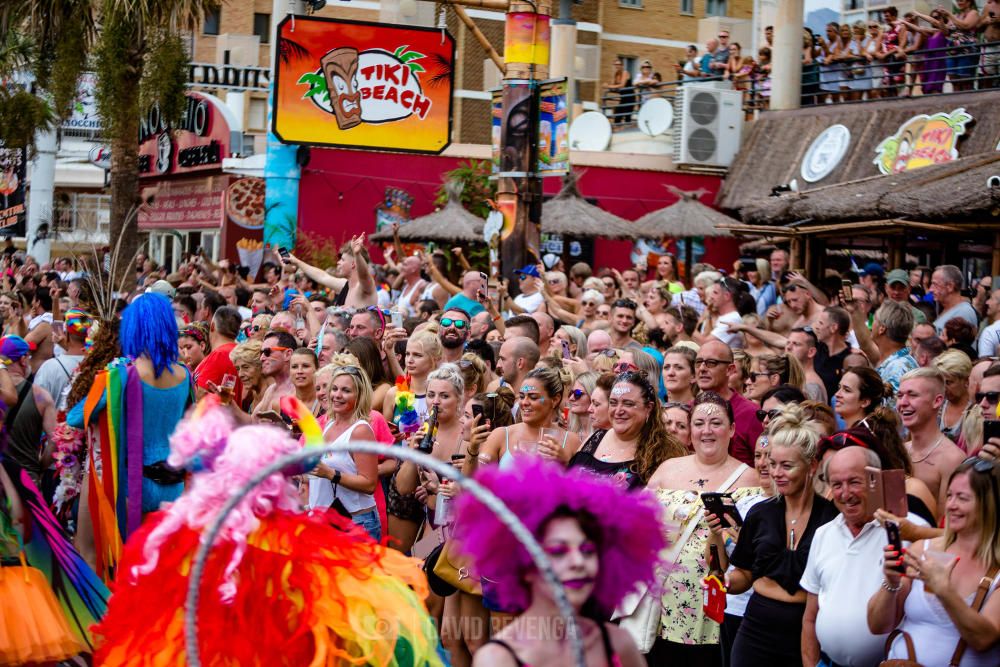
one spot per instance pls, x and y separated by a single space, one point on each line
164 76
119 71
317 86
21 113
321 251
69 61
478 188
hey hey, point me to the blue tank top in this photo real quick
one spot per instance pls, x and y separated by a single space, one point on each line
162 410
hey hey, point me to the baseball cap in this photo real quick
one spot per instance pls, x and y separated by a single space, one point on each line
550 260
898 276
646 63
529 270
13 348
163 288
873 269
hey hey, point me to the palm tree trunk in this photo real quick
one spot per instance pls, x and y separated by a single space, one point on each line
124 231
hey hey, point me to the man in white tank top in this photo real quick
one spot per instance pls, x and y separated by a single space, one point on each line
412 288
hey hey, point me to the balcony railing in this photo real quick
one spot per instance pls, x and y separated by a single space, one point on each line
941 71
78 213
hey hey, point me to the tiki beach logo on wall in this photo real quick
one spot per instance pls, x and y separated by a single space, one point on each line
363 85
922 141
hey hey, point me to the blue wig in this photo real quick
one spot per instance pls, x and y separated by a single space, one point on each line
149 329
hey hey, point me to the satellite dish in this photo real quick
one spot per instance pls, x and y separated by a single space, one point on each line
591 131
656 116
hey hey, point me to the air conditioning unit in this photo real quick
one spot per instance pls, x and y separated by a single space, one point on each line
707 125
588 62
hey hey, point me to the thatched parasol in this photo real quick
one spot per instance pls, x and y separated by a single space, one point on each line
570 215
685 219
450 224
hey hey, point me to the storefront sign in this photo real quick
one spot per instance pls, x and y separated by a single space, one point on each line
194 203
394 209
206 134
84 115
922 141
825 153
364 85
13 171
228 77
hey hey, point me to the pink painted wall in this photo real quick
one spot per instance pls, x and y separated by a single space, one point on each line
340 190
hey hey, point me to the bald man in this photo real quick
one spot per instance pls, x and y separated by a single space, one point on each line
843 570
598 341
546 329
517 357
468 298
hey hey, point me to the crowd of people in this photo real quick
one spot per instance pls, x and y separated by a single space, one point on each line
746 424
893 56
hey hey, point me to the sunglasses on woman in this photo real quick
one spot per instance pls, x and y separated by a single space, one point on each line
576 394
767 414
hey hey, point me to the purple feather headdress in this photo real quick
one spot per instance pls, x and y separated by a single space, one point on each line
632 533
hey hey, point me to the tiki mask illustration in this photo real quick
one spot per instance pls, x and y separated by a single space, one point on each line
340 67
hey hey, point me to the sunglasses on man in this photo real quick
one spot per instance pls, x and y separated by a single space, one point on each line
448 322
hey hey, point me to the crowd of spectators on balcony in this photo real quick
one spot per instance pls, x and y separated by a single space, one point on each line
916 54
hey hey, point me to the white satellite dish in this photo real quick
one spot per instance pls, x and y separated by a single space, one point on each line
591 131
656 116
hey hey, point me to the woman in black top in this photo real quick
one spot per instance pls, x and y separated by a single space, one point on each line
637 442
773 547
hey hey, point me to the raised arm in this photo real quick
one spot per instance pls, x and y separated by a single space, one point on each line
318 275
862 333
439 277
366 282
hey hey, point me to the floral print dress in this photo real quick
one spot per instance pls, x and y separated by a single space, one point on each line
682 620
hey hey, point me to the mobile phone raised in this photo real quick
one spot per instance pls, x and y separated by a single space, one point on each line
723 506
892 533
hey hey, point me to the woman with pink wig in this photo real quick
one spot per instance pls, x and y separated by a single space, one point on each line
599 542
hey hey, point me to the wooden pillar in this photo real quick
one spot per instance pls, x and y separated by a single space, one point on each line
996 256
812 273
795 253
897 254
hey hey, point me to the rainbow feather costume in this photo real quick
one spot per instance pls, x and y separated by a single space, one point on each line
281 587
404 414
48 603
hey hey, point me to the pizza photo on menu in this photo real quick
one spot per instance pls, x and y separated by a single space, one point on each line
245 203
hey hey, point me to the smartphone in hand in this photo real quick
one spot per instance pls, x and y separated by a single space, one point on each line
892 533
847 294
723 506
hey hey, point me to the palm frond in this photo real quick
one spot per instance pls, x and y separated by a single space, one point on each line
441 69
287 49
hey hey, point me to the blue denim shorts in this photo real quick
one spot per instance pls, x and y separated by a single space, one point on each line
963 66
370 522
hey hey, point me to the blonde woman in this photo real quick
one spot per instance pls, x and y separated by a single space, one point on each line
773 546
349 479
958 403
246 359
423 355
